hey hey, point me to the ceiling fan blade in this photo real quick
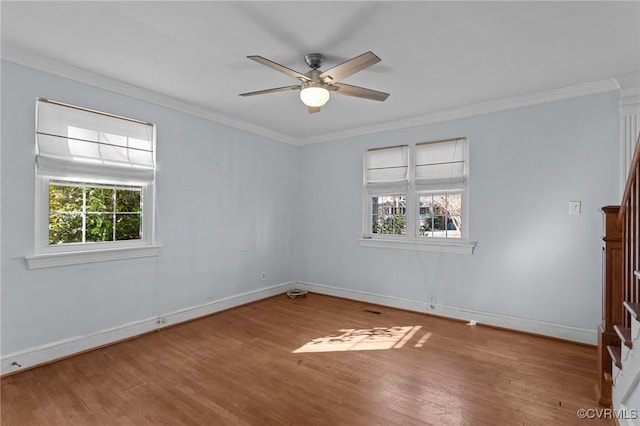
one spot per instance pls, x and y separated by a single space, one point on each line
277 89
276 66
313 109
359 92
349 67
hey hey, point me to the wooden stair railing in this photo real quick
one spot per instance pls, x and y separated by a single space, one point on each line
621 273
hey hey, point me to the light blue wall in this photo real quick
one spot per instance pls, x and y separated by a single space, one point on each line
533 260
223 206
233 204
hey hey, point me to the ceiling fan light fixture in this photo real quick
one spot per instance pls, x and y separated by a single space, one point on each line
314 95
316 84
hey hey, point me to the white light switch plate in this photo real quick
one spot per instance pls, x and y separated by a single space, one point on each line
575 207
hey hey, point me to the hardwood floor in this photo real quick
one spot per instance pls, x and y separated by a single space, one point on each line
238 368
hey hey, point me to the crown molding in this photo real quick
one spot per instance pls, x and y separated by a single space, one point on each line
31 60
575 91
629 89
628 82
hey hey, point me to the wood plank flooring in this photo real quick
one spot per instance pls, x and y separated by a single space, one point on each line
238 368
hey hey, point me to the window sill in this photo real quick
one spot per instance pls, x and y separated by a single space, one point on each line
446 246
49 260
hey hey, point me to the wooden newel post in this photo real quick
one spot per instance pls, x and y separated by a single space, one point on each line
612 289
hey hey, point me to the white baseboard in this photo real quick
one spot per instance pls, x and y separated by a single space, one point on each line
559 331
56 350
31 357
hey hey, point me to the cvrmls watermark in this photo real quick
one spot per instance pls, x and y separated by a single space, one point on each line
607 413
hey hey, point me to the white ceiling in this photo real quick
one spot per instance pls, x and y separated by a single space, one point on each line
436 56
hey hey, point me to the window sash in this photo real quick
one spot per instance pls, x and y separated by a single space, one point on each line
42 220
85 213
448 213
388 214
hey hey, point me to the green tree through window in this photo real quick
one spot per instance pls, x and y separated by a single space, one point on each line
84 213
388 214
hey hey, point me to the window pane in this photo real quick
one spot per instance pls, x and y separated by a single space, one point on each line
128 200
65 213
65 228
100 199
128 226
440 215
65 198
99 227
388 214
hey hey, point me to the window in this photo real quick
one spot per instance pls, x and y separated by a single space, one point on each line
387 184
417 194
440 215
388 214
95 177
82 213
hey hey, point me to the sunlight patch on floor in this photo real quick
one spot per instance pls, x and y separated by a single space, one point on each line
368 339
422 340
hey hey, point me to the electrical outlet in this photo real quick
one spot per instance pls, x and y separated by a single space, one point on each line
263 276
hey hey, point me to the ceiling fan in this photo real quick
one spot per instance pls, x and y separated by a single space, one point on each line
316 85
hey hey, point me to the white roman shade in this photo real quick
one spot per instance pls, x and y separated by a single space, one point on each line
387 167
441 165
80 143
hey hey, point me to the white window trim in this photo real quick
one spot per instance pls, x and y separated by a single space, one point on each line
47 255
412 241
49 260
445 246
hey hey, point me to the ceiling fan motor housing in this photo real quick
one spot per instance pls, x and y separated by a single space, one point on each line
314 60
